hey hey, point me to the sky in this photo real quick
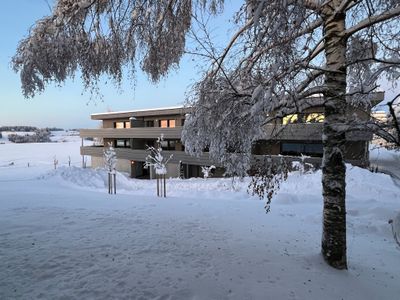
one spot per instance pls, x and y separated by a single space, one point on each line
69 106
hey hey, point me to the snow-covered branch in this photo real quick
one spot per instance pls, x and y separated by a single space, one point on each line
372 20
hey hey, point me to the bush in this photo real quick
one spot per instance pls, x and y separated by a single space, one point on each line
40 136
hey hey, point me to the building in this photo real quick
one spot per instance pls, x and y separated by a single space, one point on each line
130 132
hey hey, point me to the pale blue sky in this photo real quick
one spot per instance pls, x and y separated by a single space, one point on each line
67 106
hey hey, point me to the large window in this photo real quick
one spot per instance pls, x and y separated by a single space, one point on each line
149 123
163 123
168 144
125 143
119 125
290 119
296 149
303 118
122 124
314 118
167 123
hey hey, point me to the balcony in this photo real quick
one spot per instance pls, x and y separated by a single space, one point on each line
130 133
306 132
203 160
292 132
140 155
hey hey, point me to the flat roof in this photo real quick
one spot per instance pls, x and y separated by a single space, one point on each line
174 110
182 110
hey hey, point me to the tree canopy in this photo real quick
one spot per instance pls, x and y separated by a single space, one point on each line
102 36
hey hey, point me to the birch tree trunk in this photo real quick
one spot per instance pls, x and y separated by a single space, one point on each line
334 169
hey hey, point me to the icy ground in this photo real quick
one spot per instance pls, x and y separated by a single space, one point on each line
63 237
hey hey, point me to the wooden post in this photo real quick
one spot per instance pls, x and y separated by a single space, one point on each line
165 188
83 157
158 188
108 182
115 183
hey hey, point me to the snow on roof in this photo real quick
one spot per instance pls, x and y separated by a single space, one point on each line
138 110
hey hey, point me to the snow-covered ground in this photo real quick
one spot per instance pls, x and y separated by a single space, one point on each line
386 161
63 237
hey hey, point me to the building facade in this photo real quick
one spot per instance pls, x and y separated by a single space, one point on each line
131 132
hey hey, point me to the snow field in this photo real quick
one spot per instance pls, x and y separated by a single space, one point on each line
63 237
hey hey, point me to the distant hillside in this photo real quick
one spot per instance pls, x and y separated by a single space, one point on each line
19 128
27 128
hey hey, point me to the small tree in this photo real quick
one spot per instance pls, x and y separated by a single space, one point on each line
157 161
110 161
207 171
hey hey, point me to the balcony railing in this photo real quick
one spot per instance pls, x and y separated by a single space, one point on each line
297 132
306 132
137 133
140 155
203 160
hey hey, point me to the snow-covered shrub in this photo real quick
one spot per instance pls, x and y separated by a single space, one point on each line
155 159
110 158
302 166
267 179
207 171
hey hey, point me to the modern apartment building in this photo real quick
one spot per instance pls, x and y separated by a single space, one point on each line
130 132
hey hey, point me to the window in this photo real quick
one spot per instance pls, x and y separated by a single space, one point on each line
295 149
290 119
167 123
122 143
163 123
149 123
119 125
168 144
164 145
314 118
303 118
127 124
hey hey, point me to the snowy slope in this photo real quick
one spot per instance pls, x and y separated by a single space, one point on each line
63 237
